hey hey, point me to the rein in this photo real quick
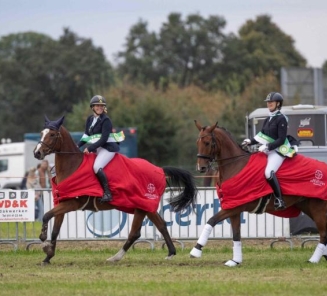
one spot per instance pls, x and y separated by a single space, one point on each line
213 159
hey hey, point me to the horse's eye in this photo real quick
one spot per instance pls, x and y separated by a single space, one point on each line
52 135
206 144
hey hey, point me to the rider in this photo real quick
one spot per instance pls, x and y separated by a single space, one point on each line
100 123
275 144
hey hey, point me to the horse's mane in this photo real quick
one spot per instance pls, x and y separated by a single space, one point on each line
231 137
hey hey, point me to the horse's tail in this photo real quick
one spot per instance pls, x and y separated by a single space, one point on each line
181 178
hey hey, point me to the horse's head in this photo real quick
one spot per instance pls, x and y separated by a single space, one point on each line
207 147
50 138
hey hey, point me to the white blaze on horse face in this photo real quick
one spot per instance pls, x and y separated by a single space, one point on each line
43 133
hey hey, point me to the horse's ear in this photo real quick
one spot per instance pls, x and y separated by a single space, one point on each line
60 120
198 125
46 119
217 124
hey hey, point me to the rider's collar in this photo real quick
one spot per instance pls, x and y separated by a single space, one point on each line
271 114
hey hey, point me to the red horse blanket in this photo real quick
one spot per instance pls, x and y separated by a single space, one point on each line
300 176
134 183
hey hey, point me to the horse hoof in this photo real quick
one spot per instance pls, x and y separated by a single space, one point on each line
112 259
170 257
195 253
231 263
43 263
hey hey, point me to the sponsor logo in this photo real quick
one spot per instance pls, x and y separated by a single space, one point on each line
317 179
24 195
151 192
12 195
304 122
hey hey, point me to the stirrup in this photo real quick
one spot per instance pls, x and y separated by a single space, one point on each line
107 197
279 204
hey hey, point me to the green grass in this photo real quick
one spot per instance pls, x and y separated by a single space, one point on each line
29 229
84 271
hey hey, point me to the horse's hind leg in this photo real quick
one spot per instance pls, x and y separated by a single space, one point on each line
134 234
50 248
160 223
316 209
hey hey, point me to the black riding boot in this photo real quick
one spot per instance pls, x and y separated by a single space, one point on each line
107 197
273 182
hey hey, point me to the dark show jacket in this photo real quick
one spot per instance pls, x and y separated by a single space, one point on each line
103 126
276 129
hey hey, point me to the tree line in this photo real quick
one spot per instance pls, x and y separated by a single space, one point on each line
163 80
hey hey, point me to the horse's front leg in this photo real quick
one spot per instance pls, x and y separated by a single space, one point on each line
160 223
58 212
218 217
50 248
134 234
237 244
203 239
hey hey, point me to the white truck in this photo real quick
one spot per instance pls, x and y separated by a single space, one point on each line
15 160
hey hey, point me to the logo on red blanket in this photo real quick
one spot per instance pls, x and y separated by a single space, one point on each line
318 176
151 189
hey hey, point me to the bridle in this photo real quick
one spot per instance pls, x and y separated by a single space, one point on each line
213 161
212 156
51 149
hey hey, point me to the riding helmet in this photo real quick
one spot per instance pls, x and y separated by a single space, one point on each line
274 97
98 100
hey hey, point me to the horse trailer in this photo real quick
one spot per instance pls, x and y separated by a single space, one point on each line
306 123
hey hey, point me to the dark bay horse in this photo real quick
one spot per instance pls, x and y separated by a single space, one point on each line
56 139
215 144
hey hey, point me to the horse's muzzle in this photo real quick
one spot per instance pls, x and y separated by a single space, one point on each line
38 155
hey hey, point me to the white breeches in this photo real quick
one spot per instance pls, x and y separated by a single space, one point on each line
103 158
274 161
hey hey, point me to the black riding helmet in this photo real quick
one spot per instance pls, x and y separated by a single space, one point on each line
98 100
275 97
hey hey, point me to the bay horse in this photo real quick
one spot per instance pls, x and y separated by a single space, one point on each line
241 187
55 138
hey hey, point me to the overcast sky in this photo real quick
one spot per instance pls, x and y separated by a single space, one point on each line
107 22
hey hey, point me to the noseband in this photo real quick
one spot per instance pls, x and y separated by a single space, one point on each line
51 148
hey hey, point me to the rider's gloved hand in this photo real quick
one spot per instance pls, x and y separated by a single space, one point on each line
296 148
246 142
263 148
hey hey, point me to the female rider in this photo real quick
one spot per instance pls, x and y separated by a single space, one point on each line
273 137
99 123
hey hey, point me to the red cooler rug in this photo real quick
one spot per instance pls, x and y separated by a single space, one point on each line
134 183
300 176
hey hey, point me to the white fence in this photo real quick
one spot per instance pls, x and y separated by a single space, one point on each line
115 225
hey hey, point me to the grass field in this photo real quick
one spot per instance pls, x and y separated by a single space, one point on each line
81 269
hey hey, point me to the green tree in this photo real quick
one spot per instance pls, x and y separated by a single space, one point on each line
261 48
184 52
39 76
